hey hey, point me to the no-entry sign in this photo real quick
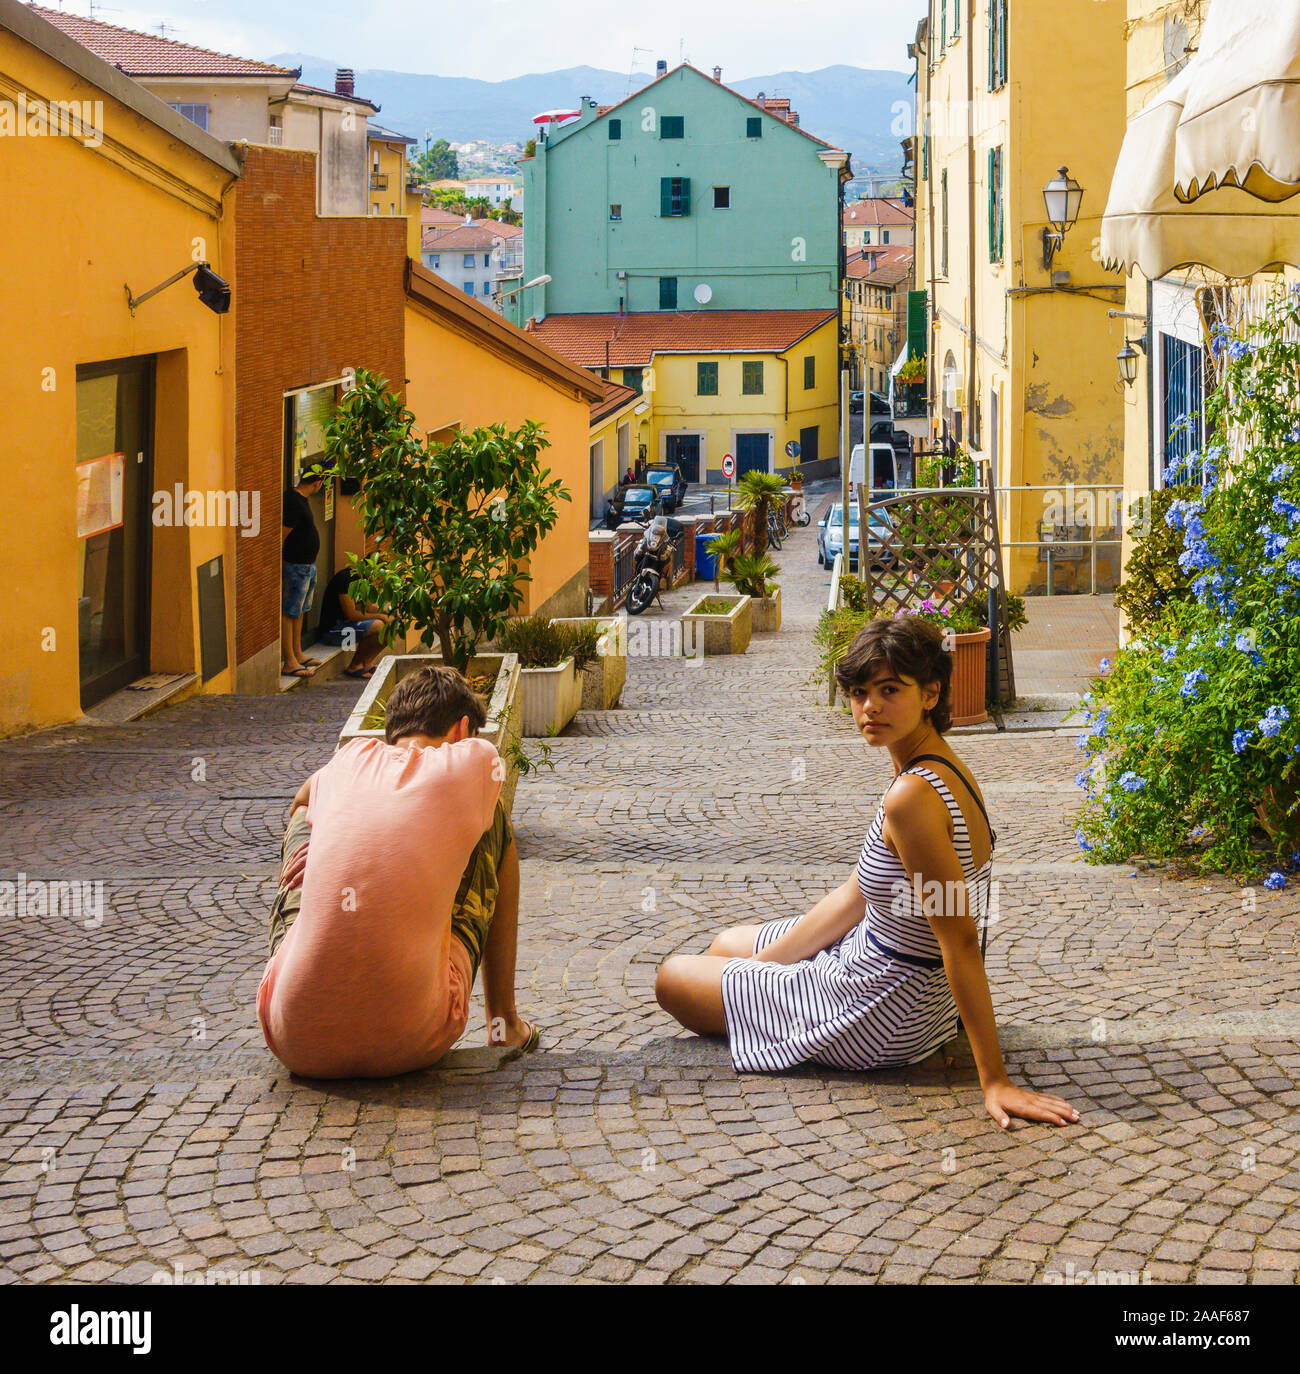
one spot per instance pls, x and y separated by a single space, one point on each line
728 465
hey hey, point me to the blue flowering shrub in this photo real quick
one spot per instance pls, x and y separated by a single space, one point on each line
1192 741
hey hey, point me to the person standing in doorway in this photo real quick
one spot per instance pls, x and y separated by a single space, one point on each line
298 554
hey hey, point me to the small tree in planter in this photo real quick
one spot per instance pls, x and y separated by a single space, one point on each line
552 658
752 575
724 547
756 492
453 520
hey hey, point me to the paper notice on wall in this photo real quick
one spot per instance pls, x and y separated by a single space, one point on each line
99 494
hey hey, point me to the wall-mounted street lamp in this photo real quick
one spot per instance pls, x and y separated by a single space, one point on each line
1063 197
213 291
536 281
1128 355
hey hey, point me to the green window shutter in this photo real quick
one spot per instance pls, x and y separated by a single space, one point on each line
943 24
665 196
809 373
754 127
1002 202
686 195
1002 43
672 126
956 17
993 45
706 379
615 129
667 293
992 206
632 377
751 379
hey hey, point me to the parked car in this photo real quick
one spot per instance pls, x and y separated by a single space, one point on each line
635 504
830 537
668 480
880 404
856 399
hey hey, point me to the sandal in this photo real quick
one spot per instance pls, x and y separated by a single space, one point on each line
297 672
363 673
312 662
529 1045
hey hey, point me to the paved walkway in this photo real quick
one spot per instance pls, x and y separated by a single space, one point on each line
143 1124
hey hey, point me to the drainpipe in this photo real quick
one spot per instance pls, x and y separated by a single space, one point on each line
972 388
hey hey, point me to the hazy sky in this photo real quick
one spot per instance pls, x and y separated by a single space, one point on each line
496 39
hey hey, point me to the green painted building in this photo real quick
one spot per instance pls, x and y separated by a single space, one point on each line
687 197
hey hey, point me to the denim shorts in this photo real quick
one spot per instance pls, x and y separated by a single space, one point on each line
299 587
360 629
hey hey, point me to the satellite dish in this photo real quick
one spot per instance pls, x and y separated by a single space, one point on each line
703 293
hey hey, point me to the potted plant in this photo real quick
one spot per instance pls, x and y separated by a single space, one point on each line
551 659
723 624
603 678
452 524
795 478
723 549
756 494
752 575
913 371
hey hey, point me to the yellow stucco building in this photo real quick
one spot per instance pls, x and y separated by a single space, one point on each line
111 404
1022 355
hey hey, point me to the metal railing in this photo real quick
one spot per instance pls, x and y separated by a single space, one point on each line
911 403
379 181
624 567
677 556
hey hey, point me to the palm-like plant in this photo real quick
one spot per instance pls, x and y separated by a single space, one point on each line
750 574
724 547
757 491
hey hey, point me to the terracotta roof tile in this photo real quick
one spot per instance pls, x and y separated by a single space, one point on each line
881 266
466 236
616 397
870 213
145 54
635 339
435 214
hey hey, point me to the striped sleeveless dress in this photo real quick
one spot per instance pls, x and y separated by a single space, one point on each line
878 997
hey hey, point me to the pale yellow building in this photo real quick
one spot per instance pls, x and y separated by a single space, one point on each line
1022 355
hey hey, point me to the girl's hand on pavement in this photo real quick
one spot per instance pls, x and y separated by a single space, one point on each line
1005 1100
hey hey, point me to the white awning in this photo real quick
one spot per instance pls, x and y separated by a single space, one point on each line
1240 124
1227 229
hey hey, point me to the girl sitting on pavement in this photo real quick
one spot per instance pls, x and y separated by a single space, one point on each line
876 974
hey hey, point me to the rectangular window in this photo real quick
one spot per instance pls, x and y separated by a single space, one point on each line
997 44
884 236
1182 389
434 262
672 126
467 287
943 220
667 293
997 213
751 379
616 211
196 114
468 260
809 372
706 379
615 130
487 288
943 24
487 259
956 18
722 197
674 197
632 377
754 127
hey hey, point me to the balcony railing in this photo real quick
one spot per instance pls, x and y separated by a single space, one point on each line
379 181
910 402
275 134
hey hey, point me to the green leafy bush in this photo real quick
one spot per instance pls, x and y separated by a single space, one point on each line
1153 581
751 574
543 643
1193 740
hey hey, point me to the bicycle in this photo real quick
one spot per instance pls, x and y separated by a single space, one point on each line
774 532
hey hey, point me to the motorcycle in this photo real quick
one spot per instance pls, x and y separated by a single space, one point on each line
651 559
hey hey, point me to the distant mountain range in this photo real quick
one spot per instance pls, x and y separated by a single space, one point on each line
851 107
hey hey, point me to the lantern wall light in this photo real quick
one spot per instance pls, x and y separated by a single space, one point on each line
1063 197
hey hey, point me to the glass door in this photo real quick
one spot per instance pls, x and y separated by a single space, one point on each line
114 474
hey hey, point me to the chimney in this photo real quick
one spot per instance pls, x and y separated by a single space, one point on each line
717 74
661 68
761 100
343 81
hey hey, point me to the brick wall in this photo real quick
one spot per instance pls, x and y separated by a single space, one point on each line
311 297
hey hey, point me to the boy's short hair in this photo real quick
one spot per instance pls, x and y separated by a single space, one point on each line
430 702
908 647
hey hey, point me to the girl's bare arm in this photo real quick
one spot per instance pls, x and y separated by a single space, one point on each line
832 918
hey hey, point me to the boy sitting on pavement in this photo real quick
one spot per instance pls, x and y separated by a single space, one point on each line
410 878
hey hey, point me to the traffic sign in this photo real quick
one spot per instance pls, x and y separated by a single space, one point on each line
792 449
728 465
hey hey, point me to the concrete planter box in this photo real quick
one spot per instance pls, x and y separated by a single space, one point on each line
767 613
719 634
602 681
549 698
503 726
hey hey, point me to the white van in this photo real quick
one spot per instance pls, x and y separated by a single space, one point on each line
884 467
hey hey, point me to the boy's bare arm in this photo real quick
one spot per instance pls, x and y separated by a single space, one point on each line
300 796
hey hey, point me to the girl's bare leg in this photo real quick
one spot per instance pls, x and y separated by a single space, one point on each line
689 989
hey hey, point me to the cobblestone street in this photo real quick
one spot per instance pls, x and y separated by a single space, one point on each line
145 1125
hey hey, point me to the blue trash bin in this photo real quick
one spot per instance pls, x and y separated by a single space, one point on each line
703 555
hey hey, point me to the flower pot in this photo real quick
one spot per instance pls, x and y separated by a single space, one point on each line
549 698
767 613
603 679
719 634
969 677
502 729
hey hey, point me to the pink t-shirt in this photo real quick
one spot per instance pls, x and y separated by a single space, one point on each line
365 983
